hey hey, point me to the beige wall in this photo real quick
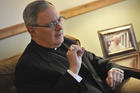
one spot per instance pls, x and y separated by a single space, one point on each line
11 14
84 27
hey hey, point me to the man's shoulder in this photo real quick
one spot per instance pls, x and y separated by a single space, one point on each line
28 56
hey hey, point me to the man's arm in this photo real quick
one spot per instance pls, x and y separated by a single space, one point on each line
65 84
101 65
33 77
108 71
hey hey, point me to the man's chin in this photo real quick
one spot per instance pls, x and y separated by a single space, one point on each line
58 44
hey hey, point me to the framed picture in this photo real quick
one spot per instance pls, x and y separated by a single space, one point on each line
132 60
118 40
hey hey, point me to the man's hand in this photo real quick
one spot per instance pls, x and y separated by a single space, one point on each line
74 56
115 77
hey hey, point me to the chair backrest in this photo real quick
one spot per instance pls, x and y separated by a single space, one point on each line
7 69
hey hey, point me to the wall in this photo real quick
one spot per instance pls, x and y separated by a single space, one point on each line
84 27
11 10
11 14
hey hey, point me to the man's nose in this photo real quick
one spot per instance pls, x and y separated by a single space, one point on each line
59 27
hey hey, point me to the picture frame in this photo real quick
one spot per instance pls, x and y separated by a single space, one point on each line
117 40
131 60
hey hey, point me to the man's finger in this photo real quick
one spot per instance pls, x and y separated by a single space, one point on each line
110 78
114 75
121 77
118 79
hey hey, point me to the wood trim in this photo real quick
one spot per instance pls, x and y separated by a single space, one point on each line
12 30
20 28
87 7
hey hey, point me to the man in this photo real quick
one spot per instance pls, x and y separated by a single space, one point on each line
49 66
116 45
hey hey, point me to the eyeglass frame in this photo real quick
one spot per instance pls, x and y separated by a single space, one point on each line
51 24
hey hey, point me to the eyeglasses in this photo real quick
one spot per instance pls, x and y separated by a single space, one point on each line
51 24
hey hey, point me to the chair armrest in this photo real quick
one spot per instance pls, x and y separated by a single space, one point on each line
131 85
132 82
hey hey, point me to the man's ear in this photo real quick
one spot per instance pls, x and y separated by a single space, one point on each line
30 29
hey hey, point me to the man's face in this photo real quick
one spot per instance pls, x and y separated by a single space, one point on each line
117 40
50 37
